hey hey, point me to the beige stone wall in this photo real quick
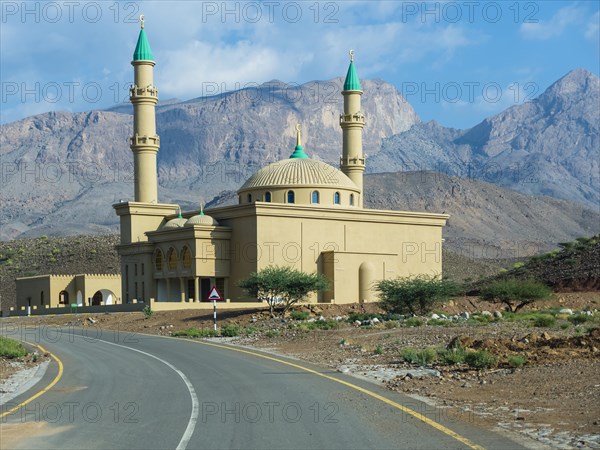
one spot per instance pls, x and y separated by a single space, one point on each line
45 290
394 243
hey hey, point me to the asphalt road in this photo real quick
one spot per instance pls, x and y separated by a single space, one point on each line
120 390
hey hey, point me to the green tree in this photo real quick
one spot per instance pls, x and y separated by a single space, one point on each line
415 295
515 293
282 287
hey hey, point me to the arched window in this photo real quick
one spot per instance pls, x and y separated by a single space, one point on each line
351 199
291 197
336 198
268 197
186 258
158 260
172 259
314 198
249 198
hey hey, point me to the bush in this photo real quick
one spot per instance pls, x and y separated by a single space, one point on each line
517 360
438 322
9 348
379 350
195 333
147 311
421 357
299 315
326 324
453 355
414 295
544 320
481 359
515 293
413 322
363 316
272 333
578 319
230 330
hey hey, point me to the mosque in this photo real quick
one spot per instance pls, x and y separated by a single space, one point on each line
298 212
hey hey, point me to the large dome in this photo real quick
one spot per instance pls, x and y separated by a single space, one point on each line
301 172
302 181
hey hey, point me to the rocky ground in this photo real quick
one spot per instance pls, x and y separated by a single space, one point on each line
552 397
14 372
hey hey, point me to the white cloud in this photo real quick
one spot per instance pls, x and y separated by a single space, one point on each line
200 67
592 30
555 26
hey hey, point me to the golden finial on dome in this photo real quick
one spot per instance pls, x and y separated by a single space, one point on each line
142 20
298 128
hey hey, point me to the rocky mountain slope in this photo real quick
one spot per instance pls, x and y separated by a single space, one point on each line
547 146
61 171
58 167
574 266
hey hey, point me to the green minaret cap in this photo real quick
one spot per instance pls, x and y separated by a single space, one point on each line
352 82
142 49
298 151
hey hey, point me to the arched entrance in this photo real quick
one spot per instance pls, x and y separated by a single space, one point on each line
79 298
97 298
63 298
103 296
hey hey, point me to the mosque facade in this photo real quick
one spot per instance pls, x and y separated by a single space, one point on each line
298 212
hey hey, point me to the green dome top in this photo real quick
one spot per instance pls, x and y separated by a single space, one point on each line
352 82
298 151
142 49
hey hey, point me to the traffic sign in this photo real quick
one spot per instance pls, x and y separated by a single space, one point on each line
214 294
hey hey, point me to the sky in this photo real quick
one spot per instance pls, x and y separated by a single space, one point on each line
454 62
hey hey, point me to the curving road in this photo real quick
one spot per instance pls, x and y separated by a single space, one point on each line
126 391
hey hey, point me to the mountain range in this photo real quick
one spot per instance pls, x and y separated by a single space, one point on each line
61 171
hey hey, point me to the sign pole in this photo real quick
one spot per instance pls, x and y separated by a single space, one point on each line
214 296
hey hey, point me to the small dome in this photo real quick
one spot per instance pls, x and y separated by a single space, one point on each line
201 219
298 172
178 222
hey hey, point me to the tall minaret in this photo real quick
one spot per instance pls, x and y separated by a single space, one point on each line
352 162
145 142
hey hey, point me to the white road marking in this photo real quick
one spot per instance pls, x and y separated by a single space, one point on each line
187 435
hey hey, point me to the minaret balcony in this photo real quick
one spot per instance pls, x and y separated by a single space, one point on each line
136 92
144 141
352 161
356 118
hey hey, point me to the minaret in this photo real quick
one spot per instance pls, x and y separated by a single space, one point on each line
352 162
145 142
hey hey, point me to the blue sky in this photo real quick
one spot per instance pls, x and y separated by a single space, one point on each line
455 62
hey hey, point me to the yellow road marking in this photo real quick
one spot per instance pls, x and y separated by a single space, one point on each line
43 391
415 414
